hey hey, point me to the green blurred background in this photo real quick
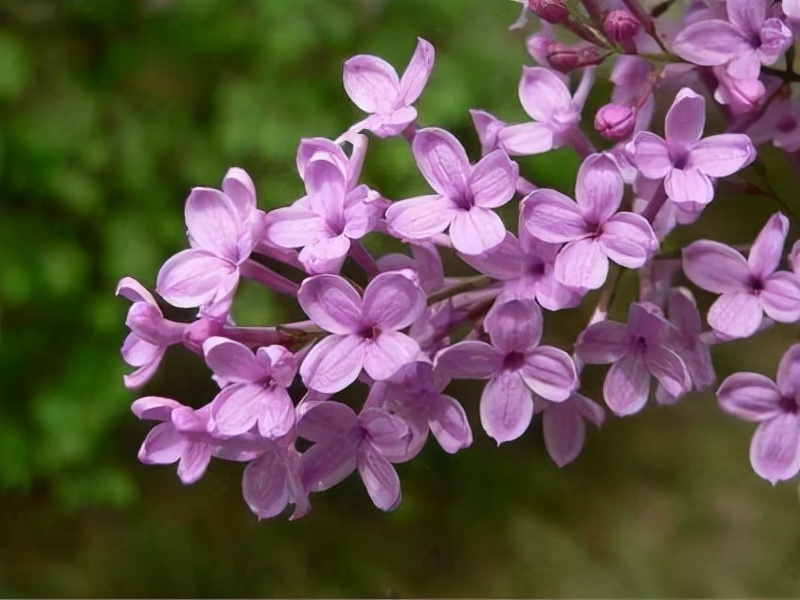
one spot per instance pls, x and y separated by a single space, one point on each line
110 111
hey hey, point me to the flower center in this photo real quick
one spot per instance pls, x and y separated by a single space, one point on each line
513 361
790 405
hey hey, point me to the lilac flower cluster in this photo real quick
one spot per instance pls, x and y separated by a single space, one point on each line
410 330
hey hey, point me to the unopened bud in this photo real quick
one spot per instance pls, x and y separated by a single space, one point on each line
621 26
565 58
552 11
615 122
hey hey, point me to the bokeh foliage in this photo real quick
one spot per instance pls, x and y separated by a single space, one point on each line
110 111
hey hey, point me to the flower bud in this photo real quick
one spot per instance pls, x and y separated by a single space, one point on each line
621 26
615 122
552 11
565 58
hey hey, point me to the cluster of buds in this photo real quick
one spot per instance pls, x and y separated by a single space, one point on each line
401 330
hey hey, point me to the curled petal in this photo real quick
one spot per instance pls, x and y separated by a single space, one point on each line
669 369
780 297
388 433
193 462
155 408
265 485
450 426
162 446
550 372
749 396
788 378
765 253
239 187
417 72
371 83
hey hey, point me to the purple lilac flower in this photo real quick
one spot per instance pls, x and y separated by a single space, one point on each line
365 333
151 334
344 442
515 365
775 449
253 388
687 163
223 228
487 127
465 194
749 288
183 437
373 86
781 124
741 96
335 210
424 260
555 112
591 227
564 427
272 481
637 350
748 39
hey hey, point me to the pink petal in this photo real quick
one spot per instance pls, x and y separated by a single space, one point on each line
293 227
265 485
476 230
380 479
238 186
525 139
420 218
327 463
747 15
276 415
236 408
564 433
775 449
766 251
788 378
442 161
388 433
325 420
493 180
736 314
669 369
450 426
138 352
326 188
371 83
387 352
627 385
333 363
325 255
552 217
162 446
651 155
550 372
603 342
506 407
721 155
469 360
542 93
417 72
213 223
192 277
514 326
154 407
780 297
193 462
134 291
628 240
688 186
331 303
716 267
749 396
710 42
392 301
582 264
686 118
320 148
598 188
232 361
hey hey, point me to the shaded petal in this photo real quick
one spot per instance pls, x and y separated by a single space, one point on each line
716 267
542 93
515 325
564 433
333 363
688 185
598 188
788 378
504 261
686 118
552 217
525 139
155 408
213 222
325 255
388 433
138 352
775 449
194 461
493 180
603 342
265 485
380 479
627 385
476 230
747 15
449 425
276 415
327 463
326 187
766 251
420 218
506 407
550 372
780 297
417 72
582 264
162 446
371 83
737 314
331 303
710 42
392 301
192 277
651 155
232 361
442 161
628 240
134 291
239 187
236 408
669 369
721 155
387 352
749 396
325 420
469 360
293 227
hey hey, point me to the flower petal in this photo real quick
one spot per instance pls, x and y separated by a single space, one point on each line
380 479
469 360
688 186
598 189
552 217
603 342
442 161
525 139
193 277
232 361
716 267
392 301
493 180
333 363
766 251
749 396
780 297
542 93
515 325
332 303
651 155
476 230
582 264
417 72
506 407
564 433
737 314
775 449
265 485
449 425
194 462
276 415
628 240
686 118
213 223
387 352
550 372
627 385
420 218
721 155
710 42
371 83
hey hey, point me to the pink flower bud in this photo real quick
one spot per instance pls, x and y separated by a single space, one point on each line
615 122
621 26
552 11
565 58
